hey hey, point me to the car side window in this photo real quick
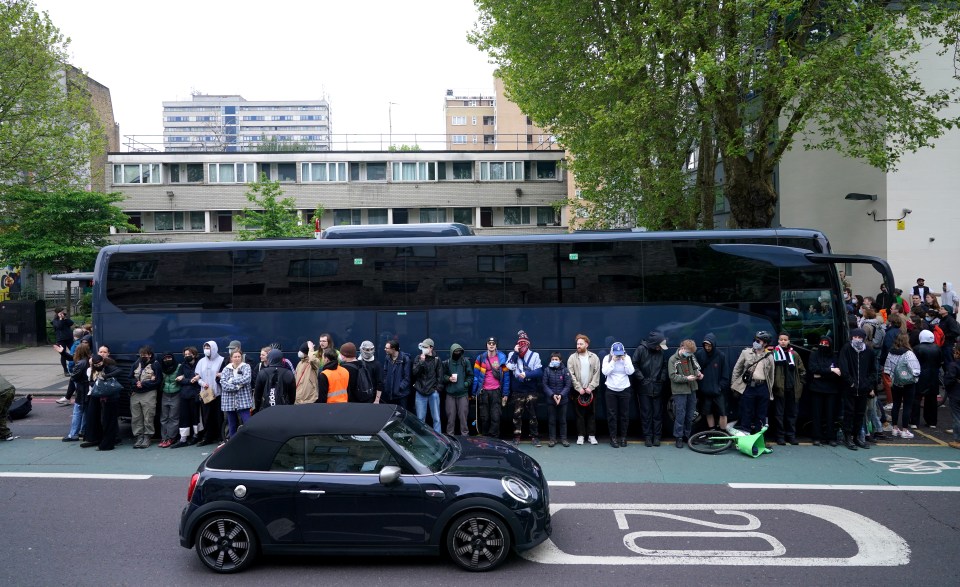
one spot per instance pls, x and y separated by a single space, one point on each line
339 453
290 457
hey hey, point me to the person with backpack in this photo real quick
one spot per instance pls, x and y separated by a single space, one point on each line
333 381
169 400
275 383
557 383
903 368
369 376
457 376
348 361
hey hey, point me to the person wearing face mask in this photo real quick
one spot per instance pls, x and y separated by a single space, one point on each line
788 376
236 398
526 371
684 372
145 378
169 400
104 431
427 382
457 378
369 363
650 375
859 372
753 379
211 416
306 374
557 383
189 399
823 380
617 368
713 388
491 387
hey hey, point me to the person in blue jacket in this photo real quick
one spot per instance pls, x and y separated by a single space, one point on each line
557 382
491 387
526 370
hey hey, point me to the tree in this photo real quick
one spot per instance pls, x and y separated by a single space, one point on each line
48 130
631 87
273 217
57 231
403 148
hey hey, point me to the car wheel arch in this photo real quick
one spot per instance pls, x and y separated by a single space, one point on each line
473 504
208 511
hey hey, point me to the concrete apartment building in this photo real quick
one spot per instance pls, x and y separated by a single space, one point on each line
230 123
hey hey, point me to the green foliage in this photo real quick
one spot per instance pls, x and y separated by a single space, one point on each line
273 215
56 231
633 89
48 130
403 148
274 145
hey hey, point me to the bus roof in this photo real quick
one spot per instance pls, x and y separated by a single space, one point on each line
362 231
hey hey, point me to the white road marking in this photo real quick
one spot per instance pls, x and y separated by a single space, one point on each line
876 544
840 487
111 476
562 483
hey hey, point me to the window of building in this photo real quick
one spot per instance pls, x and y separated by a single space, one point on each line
195 172
197 221
488 120
463 170
287 171
344 217
459 139
264 169
354 171
463 216
458 120
376 171
489 139
501 171
377 216
546 216
474 121
168 221
135 219
433 214
136 173
414 171
469 102
174 173
232 172
513 215
324 172
474 139
401 216
529 121
546 170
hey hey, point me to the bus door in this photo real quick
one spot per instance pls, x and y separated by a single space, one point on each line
408 327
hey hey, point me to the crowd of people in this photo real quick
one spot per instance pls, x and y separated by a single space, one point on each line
899 347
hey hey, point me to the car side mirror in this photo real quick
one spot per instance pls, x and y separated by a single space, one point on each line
389 475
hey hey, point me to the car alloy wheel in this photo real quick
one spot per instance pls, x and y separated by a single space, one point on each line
478 541
226 544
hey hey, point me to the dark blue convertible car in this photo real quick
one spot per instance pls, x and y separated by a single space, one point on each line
361 478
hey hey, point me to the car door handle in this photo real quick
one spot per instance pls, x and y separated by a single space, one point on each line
436 493
312 492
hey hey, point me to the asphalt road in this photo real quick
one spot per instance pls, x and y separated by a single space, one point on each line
800 516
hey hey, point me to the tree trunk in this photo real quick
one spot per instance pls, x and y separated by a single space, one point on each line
751 195
706 177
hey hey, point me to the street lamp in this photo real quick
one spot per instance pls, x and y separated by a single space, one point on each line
856 196
390 119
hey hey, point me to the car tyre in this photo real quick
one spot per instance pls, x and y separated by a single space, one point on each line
226 544
478 541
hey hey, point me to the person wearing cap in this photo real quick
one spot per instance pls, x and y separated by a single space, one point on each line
752 378
491 387
789 374
901 392
617 368
526 372
396 375
333 381
427 374
369 362
823 381
928 384
713 388
684 372
650 376
584 366
306 374
921 289
169 400
458 383
858 368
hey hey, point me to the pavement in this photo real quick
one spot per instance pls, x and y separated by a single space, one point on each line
33 370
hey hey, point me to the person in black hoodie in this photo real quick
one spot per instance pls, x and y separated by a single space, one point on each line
63 334
823 381
858 368
715 385
275 383
189 398
102 431
650 374
951 383
928 385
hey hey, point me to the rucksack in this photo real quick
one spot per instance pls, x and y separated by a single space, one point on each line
21 407
879 332
366 390
903 372
275 392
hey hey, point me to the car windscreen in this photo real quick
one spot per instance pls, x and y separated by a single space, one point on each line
419 442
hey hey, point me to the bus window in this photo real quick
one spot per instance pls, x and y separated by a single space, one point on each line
807 315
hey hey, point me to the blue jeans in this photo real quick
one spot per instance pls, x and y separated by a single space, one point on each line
753 408
235 419
76 420
434 402
684 408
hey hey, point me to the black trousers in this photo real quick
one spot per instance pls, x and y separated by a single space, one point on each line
586 417
854 407
557 418
100 422
489 407
823 416
618 412
212 417
785 414
651 415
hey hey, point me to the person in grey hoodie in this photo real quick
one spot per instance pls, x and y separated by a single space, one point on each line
457 377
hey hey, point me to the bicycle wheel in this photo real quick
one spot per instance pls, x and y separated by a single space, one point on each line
710 442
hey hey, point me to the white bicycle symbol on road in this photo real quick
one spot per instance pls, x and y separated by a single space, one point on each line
912 466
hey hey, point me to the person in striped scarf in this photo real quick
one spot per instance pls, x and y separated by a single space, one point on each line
788 376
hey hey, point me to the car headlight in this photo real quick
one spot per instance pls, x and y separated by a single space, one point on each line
517 489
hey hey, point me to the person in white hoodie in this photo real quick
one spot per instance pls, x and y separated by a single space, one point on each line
211 417
617 368
949 297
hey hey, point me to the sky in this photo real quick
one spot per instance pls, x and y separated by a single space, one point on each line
359 54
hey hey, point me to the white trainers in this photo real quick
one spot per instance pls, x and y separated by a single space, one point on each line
895 431
913 426
593 440
906 434
579 440
63 401
888 407
887 427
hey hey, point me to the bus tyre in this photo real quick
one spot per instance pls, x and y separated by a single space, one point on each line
478 541
710 442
